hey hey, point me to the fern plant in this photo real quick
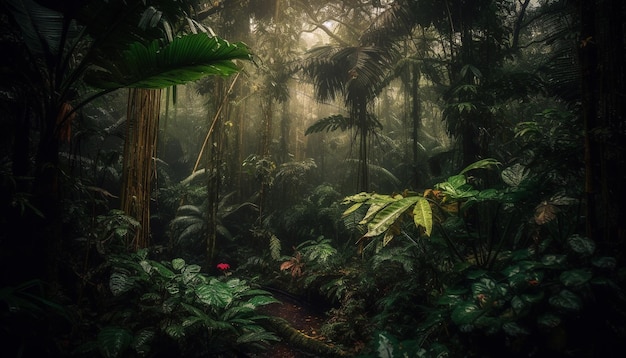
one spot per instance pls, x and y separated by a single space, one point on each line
159 304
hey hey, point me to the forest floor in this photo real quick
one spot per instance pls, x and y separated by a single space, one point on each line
301 318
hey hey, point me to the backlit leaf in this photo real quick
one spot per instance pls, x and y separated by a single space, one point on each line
387 216
423 215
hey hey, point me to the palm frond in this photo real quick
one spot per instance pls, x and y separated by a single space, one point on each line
330 124
41 27
186 59
395 22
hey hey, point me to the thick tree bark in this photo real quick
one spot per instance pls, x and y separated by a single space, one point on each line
142 125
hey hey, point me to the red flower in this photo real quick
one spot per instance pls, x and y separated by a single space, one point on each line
223 266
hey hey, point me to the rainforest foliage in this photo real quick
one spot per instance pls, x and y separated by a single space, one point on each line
440 178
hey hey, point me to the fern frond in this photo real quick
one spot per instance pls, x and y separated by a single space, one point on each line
189 210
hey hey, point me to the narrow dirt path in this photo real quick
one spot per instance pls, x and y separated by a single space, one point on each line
300 318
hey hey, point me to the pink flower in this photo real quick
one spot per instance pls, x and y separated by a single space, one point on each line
223 266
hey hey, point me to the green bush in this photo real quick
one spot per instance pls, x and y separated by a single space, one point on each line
174 307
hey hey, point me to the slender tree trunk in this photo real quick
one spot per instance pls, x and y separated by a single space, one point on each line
214 151
416 120
266 138
363 170
142 125
285 128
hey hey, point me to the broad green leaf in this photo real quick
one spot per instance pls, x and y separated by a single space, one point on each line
120 282
485 286
142 340
372 211
549 320
361 197
178 264
185 59
162 270
514 329
533 297
190 272
581 245
215 294
257 301
481 164
574 278
553 260
146 266
352 209
515 175
237 311
519 305
604 262
466 313
192 269
114 341
423 215
566 300
388 216
457 181
488 194
449 300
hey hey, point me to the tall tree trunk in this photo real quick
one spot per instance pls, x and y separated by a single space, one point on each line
142 125
363 129
214 151
266 139
602 54
285 129
416 120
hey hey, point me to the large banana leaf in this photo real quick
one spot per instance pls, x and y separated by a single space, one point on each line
152 66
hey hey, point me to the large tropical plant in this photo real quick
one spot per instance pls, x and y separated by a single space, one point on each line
109 44
156 306
355 73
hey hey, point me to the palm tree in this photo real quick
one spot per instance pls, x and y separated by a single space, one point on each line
355 73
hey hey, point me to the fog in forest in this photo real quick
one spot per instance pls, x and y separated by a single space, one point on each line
304 178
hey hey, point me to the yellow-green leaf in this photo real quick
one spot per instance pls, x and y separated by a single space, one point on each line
423 215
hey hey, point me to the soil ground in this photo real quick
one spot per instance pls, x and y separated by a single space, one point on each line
301 318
